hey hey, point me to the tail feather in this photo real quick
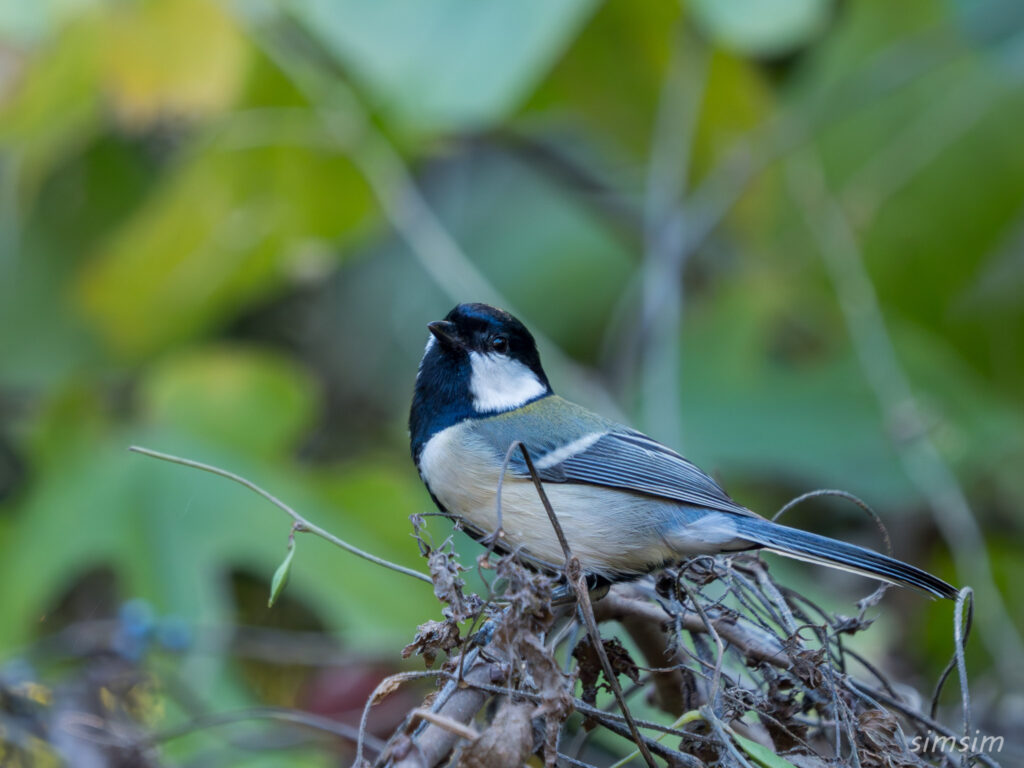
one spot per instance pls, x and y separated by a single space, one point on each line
802 545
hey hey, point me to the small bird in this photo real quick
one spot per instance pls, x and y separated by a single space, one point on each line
627 504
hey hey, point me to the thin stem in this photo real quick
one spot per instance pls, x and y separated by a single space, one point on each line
304 719
577 581
301 523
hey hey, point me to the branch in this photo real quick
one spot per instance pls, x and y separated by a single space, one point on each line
437 739
665 230
304 719
300 523
754 643
451 725
577 581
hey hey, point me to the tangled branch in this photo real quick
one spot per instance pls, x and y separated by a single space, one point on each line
747 669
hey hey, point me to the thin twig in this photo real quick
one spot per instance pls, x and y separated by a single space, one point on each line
841 495
573 761
961 632
218 719
716 676
406 208
467 697
577 582
499 532
452 726
665 230
384 688
754 643
719 729
301 523
913 714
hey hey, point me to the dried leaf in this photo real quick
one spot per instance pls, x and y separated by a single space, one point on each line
386 688
590 665
881 742
508 741
432 638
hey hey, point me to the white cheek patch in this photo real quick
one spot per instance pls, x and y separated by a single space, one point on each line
498 383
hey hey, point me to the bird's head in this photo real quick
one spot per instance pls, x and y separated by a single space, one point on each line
483 356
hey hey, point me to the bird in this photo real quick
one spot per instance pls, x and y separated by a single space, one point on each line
628 505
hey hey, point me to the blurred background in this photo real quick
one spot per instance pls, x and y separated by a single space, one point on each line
784 236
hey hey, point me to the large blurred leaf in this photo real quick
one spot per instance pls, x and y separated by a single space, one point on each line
28 22
807 424
815 422
907 118
761 27
248 400
38 348
171 58
544 241
149 60
614 97
172 534
551 255
737 101
447 64
611 103
54 106
228 226
75 207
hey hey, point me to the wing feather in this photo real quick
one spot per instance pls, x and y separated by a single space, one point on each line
634 462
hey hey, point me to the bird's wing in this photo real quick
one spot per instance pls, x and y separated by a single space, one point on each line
631 461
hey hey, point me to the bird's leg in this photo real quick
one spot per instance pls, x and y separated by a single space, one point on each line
597 586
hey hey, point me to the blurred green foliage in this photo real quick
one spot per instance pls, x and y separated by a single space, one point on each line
197 253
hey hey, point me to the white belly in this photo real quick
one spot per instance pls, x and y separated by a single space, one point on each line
610 531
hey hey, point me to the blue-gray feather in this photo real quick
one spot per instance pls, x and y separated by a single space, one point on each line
628 460
621 458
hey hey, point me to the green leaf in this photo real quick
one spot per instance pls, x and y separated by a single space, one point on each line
254 401
609 99
445 65
805 424
280 579
229 226
762 27
761 754
129 57
544 240
55 106
172 535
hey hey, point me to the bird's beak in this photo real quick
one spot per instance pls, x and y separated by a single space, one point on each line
444 331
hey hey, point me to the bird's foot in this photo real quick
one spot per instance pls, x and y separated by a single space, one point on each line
564 594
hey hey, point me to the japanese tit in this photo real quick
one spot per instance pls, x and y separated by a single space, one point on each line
627 504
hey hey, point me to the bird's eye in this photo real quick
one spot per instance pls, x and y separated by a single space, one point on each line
500 344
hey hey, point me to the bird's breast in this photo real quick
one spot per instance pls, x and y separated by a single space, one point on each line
610 531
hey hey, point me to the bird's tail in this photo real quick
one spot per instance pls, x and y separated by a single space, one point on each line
802 545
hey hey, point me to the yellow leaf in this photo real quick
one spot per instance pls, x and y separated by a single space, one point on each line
221 231
172 58
36 692
51 107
